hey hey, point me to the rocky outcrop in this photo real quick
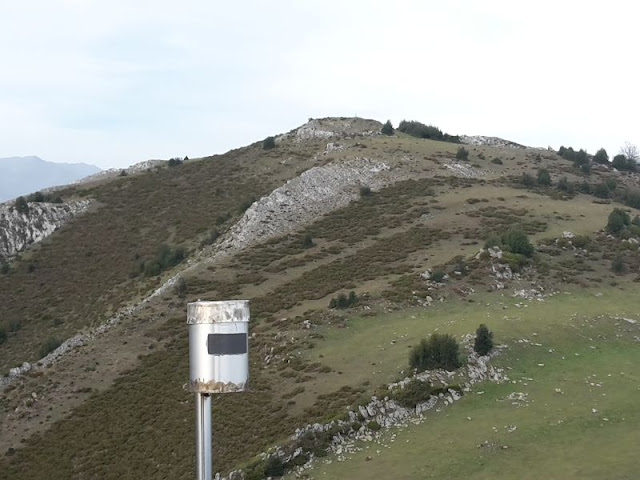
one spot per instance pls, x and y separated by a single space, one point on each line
334 128
480 140
18 230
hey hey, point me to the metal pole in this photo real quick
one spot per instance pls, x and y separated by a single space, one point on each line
203 436
206 419
199 438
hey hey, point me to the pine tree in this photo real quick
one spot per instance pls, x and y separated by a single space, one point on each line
387 128
484 340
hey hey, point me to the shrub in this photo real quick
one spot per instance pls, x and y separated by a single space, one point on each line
493 241
365 191
123 173
307 241
49 346
581 158
413 393
269 143
632 198
618 266
516 241
342 301
437 275
618 221
544 178
602 190
21 205
516 261
580 241
245 204
585 168
621 162
601 157
4 268
439 351
420 130
462 154
166 257
181 288
210 238
483 343
3 334
174 162
496 160
274 467
527 180
387 128
373 425
565 185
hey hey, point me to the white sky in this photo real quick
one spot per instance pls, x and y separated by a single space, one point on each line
115 82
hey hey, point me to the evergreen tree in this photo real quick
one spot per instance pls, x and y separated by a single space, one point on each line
544 178
387 128
484 340
601 157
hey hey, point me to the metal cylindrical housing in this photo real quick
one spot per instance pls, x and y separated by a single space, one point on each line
218 346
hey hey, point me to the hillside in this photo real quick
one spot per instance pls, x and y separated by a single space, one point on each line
24 175
97 311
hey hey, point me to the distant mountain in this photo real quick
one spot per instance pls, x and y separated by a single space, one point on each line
24 175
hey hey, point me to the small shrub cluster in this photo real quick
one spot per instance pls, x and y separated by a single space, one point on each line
387 128
623 163
462 154
516 241
601 157
365 191
39 197
174 162
49 346
420 130
413 393
166 257
438 351
543 178
343 301
3 334
21 205
618 221
497 161
483 343
579 158
269 143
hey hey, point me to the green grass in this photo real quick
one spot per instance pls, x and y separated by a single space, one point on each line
557 434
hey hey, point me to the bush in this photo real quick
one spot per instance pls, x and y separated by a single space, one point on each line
174 162
516 261
516 241
387 128
602 190
496 160
437 276
3 334
365 191
342 301
621 162
49 346
565 185
483 343
269 143
21 205
581 158
462 154
210 238
307 241
618 266
632 198
181 288
618 221
413 393
420 130
439 351
601 157
274 467
544 178
527 180
245 204
166 257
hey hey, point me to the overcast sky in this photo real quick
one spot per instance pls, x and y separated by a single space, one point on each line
116 82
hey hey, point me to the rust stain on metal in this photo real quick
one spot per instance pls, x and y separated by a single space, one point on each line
200 386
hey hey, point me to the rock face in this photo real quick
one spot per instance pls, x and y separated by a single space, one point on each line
303 199
489 141
335 128
19 230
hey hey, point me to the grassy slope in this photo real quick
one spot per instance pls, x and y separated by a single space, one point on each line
587 354
357 243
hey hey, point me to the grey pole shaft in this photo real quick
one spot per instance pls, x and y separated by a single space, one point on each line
203 436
